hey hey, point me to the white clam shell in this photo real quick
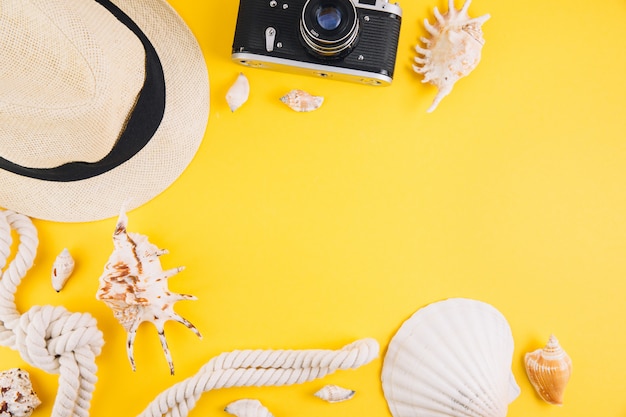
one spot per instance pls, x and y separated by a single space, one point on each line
302 101
248 408
134 285
452 51
62 268
17 398
451 358
238 93
334 393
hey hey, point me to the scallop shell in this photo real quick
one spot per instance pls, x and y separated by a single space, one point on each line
334 393
248 408
451 358
17 398
452 51
238 93
301 101
62 268
549 369
134 286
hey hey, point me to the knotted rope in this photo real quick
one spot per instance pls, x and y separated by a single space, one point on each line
57 341
244 368
49 338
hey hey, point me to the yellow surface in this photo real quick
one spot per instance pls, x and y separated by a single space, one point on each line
311 230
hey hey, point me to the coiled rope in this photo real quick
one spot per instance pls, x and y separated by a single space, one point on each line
50 338
64 343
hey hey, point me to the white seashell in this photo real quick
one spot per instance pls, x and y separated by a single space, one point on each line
62 268
238 93
17 398
334 393
549 370
134 286
248 408
452 51
301 101
451 358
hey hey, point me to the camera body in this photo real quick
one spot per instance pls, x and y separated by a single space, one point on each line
352 40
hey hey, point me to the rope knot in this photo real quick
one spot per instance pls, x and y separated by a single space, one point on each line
45 334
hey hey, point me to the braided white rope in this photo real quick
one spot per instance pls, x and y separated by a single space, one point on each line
57 341
259 368
49 338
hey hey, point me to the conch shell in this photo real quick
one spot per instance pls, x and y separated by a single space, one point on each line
334 393
549 370
134 286
301 101
248 408
17 398
62 269
452 51
238 93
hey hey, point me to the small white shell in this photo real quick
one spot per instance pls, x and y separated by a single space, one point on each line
62 269
452 51
238 93
301 101
17 398
334 393
248 408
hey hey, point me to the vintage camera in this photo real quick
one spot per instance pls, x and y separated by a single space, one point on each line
354 40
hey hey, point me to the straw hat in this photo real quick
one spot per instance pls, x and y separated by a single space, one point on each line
102 102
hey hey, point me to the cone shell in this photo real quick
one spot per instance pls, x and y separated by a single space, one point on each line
334 393
134 286
248 408
452 51
17 398
301 101
549 369
62 269
451 358
238 93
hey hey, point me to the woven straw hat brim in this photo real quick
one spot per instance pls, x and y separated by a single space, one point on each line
160 162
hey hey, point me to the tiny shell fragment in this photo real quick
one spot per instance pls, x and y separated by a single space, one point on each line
17 398
238 93
248 408
549 370
334 393
62 269
301 101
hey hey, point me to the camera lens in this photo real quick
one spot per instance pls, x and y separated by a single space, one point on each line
328 17
329 28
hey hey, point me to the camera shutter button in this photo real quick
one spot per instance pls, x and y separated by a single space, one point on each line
270 38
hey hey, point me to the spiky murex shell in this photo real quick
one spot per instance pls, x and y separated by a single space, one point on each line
452 51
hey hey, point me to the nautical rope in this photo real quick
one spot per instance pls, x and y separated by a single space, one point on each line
244 368
57 341
50 338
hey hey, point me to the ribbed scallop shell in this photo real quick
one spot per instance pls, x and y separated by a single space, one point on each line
248 408
452 51
549 370
451 358
334 393
134 286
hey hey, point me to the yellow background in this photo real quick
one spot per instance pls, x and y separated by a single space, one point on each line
311 230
